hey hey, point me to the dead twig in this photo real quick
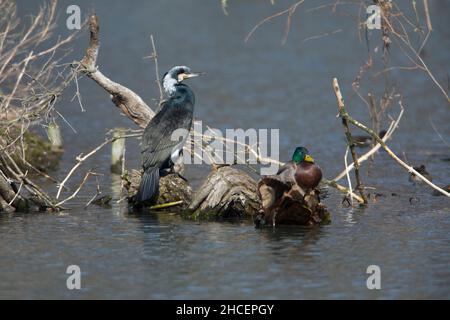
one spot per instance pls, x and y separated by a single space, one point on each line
289 11
73 195
158 81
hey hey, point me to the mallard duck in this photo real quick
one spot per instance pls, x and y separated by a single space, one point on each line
285 196
423 171
301 170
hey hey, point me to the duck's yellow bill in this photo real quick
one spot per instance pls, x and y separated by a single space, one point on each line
308 158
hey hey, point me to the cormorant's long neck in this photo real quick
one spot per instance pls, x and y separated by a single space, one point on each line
174 88
185 92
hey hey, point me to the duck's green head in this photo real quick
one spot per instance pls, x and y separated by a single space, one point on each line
302 154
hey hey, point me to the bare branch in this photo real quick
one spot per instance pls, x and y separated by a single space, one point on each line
348 135
125 99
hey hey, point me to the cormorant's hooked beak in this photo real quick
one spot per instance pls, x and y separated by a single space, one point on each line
194 74
309 158
185 76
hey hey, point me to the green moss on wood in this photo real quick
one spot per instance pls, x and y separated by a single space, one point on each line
38 152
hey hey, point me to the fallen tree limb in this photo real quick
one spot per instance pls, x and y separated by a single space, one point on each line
125 99
11 198
41 197
5 207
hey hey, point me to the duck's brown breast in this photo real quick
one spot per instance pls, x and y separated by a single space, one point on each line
308 175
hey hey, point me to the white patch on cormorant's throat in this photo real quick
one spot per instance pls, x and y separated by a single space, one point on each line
169 84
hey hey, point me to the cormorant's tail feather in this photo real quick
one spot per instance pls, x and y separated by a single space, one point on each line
149 187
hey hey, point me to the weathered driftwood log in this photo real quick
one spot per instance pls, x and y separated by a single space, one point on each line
172 188
282 203
226 192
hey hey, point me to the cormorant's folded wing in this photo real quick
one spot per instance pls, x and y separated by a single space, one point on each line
157 143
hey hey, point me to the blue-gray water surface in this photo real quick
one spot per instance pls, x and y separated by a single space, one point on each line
254 84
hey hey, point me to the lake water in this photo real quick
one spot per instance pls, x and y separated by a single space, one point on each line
258 84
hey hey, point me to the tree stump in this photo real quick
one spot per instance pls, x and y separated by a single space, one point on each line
226 193
288 204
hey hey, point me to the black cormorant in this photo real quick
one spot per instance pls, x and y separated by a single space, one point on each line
159 151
